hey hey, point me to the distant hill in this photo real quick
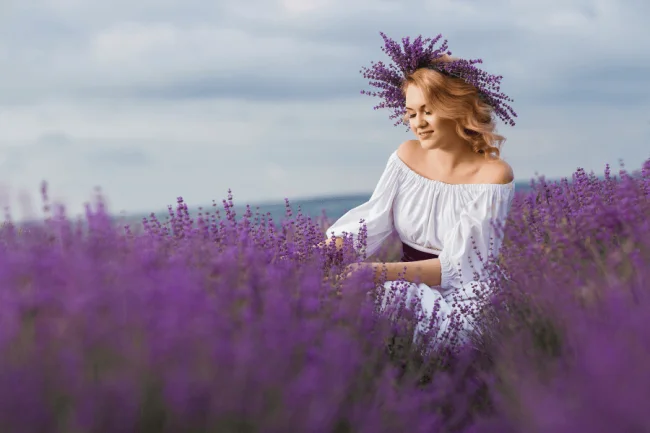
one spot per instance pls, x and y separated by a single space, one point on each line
334 206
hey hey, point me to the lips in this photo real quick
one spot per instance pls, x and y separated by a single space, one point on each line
425 133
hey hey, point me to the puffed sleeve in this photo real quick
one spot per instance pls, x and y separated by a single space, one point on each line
377 212
473 237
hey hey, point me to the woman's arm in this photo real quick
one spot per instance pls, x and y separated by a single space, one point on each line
428 271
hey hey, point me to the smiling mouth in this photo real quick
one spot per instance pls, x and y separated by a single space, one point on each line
426 133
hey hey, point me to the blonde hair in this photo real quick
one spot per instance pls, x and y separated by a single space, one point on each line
457 100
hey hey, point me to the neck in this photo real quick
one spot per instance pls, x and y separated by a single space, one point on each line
453 155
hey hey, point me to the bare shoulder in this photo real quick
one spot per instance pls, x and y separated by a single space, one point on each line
496 171
408 151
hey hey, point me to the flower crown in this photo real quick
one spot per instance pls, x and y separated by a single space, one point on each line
416 56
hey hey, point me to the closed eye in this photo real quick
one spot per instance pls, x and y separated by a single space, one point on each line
413 115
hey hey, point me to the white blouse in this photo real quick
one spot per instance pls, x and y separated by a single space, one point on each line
434 217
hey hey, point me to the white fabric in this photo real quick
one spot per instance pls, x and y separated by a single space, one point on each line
452 221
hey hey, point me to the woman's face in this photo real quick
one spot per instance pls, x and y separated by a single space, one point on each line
431 130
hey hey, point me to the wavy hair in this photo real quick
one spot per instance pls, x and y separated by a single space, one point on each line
457 100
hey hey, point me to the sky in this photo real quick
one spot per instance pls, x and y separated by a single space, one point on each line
156 99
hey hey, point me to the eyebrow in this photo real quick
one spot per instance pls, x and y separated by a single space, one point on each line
422 106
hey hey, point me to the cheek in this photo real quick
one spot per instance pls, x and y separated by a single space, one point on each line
451 124
445 125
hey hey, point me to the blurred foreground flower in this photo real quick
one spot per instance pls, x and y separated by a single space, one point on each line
216 324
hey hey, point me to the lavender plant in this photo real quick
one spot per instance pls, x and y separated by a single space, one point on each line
207 325
569 333
218 324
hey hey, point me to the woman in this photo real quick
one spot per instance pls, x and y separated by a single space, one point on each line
442 191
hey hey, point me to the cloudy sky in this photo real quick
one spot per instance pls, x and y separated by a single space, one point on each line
156 99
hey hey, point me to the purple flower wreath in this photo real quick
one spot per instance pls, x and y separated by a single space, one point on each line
417 55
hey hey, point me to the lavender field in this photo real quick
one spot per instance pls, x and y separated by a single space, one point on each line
226 324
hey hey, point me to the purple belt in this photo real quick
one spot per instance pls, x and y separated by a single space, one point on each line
410 254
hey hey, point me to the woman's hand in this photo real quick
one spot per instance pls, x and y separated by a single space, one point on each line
354 267
346 272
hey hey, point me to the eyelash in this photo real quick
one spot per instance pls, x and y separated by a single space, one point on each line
413 115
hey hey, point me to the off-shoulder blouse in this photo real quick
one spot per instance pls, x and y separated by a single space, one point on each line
453 221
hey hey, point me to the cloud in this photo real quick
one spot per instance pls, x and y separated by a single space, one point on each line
121 157
164 98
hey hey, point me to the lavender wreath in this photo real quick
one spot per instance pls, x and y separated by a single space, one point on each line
418 55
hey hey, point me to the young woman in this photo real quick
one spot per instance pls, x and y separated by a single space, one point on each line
442 191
